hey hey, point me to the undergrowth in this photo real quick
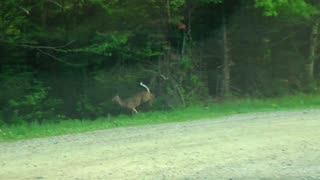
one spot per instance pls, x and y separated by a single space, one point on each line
195 112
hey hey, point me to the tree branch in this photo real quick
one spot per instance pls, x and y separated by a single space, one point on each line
58 59
54 48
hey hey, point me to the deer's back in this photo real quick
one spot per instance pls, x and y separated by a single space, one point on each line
147 97
139 99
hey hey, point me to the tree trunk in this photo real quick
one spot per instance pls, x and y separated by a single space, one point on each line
183 46
44 14
226 59
309 66
168 11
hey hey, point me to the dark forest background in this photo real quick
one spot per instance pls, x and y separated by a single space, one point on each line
68 58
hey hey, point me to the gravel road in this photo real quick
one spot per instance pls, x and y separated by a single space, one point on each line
277 145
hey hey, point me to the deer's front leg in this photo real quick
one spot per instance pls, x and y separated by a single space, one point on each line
134 110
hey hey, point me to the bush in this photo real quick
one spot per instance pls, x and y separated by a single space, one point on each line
24 98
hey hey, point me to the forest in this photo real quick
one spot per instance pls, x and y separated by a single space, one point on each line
65 59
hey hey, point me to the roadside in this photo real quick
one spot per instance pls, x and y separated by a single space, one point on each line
212 110
277 145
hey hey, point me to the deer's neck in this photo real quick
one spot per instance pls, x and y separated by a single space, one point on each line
121 102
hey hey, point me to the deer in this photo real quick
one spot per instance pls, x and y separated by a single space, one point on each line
135 101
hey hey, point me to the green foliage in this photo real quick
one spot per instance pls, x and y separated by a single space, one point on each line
14 84
13 18
184 85
212 1
292 7
24 98
68 58
186 62
105 44
88 109
236 106
175 5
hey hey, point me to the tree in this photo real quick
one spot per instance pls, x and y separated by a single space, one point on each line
297 10
226 57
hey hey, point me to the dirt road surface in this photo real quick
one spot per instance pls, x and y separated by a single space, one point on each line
278 145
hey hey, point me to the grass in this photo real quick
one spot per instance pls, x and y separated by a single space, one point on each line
235 106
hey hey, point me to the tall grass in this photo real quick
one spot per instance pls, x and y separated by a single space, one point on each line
235 106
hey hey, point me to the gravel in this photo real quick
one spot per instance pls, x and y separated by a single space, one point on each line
277 145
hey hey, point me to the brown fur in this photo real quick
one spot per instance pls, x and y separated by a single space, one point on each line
135 101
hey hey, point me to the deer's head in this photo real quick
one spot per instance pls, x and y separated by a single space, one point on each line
116 98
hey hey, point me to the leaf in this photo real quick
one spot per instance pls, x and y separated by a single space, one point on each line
296 8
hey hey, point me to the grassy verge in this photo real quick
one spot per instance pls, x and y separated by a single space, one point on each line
9 133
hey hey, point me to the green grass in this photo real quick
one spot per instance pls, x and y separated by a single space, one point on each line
235 106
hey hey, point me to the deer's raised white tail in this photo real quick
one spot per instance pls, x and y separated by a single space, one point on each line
135 101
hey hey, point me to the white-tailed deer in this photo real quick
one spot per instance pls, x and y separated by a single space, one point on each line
133 102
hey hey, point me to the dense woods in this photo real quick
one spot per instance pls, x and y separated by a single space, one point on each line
69 58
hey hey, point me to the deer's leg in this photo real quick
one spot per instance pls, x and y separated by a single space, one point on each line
134 110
